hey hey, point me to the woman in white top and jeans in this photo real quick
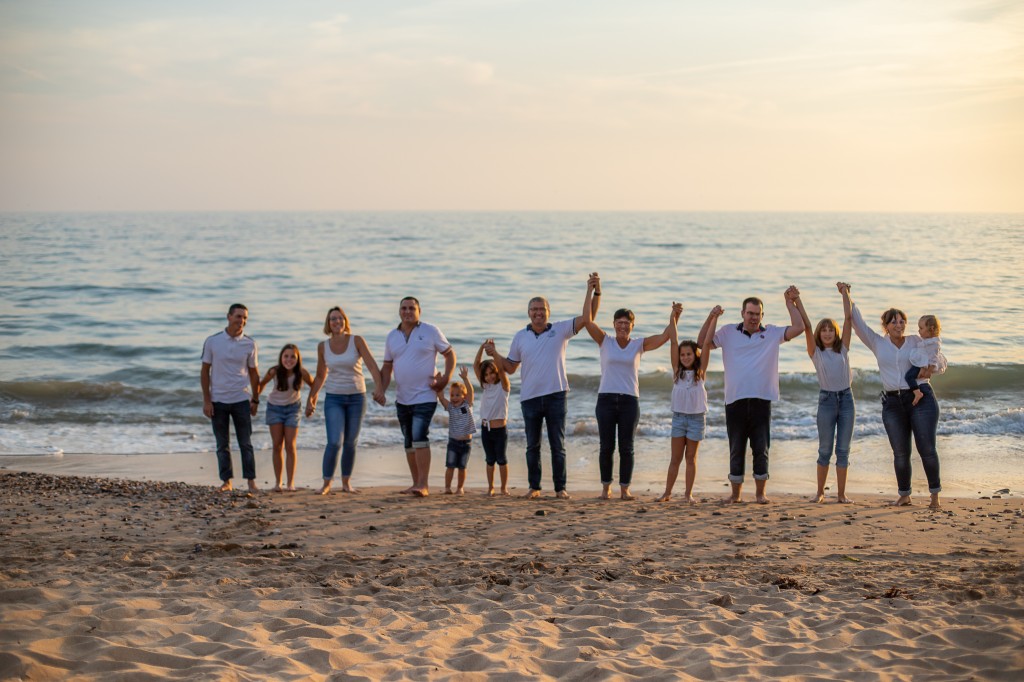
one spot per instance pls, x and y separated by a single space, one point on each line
618 396
829 351
339 369
900 416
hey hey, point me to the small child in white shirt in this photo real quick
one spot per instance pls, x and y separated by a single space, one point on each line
461 428
927 354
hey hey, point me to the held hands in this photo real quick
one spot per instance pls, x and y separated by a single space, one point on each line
253 408
378 396
594 282
792 294
843 287
438 383
488 347
677 311
310 407
716 312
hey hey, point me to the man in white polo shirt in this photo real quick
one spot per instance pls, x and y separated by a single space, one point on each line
410 351
231 389
540 348
750 354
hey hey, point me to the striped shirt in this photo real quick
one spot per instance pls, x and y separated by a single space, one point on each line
460 421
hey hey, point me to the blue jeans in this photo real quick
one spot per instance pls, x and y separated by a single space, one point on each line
549 408
836 411
241 416
343 416
415 422
621 412
748 419
902 418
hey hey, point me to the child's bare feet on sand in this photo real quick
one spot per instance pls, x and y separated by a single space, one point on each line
692 501
762 499
277 488
490 492
447 491
818 498
665 497
460 491
732 500
843 499
505 492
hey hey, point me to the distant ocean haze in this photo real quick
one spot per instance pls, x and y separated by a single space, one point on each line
103 316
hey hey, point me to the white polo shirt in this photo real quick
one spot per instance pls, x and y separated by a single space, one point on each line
620 366
414 362
230 358
543 358
751 361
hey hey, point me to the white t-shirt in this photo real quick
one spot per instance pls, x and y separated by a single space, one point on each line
689 396
893 361
543 358
414 362
493 402
751 362
230 358
620 366
834 373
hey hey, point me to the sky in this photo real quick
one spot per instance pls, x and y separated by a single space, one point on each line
732 105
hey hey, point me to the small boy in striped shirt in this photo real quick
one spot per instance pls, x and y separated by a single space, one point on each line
461 428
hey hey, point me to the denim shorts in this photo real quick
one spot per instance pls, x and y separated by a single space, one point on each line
289 415
458 453
415 423
690 426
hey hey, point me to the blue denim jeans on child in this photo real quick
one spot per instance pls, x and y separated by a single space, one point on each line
343 415
536 411
836 412
902 418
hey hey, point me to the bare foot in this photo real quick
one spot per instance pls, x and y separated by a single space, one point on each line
460 491
903 501
935 502
692 501
563 495
447 491
348 488
252 486
917 397
732 500
665 497
226 487
762 499
420 492
843 499
408 491
606 495
626 495
818 498
291 488
277 488
490 492
324 490
505 492
531 494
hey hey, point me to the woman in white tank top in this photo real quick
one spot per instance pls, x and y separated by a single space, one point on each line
618 396
339 370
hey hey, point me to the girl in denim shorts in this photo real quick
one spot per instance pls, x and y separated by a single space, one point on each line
689 405
283 405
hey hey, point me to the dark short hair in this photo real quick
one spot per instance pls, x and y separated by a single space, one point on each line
624 312
752 299
411 298
236 306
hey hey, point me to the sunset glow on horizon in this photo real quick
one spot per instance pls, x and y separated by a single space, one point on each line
512 105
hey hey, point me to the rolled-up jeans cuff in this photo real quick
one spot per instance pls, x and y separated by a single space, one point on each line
935 490
760 477
735 479
418 444
904 493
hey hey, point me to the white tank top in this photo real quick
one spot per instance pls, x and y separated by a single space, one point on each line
689 396
619 366
344 370
493 402
286 397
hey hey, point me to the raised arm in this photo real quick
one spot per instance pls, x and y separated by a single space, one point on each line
868 336
702 336
591 303
464 373
844 289
500 361
478 362
796 326
673 337
709 341
318 382
659 340
808 333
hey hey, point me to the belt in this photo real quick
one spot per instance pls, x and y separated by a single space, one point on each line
897 391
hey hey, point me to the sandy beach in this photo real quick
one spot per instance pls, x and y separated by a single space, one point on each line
116 579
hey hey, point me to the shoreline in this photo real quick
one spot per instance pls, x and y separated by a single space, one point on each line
118 579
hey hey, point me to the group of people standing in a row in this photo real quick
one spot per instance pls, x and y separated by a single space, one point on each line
232 387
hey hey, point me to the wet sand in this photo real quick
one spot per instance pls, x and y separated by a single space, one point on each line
116 579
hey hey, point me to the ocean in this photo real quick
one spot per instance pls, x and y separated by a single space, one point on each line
103 315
